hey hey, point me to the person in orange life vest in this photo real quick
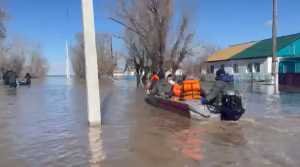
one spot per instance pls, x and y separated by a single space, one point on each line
188 89
176 89
192 89
153 81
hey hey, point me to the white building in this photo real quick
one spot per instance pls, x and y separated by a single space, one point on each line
244 66
257 67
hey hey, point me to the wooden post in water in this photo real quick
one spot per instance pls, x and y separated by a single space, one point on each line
91 66
274 49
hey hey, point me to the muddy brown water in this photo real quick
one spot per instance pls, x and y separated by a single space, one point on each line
45 124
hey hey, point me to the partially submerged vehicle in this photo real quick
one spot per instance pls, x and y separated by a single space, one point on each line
231 108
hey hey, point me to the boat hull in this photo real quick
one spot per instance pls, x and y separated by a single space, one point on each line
191 109
22 81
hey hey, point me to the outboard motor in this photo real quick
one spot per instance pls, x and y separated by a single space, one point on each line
232 107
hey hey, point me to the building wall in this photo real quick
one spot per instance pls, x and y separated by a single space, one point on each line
287 65
265 65
243 72
288 50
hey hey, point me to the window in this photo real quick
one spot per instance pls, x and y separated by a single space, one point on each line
207 70
222 66
257 67
250 68
212 69
235 68
292 50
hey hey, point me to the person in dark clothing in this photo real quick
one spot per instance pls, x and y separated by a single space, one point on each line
28 78
5 78
162 87
12 76
154 79
221 84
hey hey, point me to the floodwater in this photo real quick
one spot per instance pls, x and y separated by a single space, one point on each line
45 125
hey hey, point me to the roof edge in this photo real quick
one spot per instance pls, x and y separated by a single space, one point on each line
242 43
217 61
265 39
251 58
288 43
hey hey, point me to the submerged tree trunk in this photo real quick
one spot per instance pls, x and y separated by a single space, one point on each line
144 79
138 80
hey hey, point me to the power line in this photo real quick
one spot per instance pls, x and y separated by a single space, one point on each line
67 19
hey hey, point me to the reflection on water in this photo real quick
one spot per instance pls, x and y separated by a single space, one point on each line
95 143
188 142
45 124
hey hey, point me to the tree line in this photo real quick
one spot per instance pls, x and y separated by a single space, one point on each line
18 54
106 56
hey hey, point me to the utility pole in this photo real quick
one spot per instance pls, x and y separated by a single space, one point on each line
91 66
274 48
67 48
67 61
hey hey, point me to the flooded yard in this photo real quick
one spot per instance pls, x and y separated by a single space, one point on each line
45 124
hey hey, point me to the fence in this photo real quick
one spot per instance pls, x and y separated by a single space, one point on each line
253 77
240 77
289 79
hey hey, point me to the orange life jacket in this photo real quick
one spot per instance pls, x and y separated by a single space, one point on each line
154 77
191 89
176 89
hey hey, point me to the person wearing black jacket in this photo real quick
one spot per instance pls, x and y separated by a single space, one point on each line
221 84
28 78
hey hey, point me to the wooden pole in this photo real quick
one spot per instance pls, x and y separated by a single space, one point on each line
274 49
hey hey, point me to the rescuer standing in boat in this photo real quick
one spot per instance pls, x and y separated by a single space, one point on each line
221 84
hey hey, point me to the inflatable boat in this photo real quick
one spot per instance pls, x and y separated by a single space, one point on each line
233 106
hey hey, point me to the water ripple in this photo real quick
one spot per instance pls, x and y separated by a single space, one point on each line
46 125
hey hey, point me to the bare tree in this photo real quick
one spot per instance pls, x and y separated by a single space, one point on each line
23 57
38 65
152 22
106 58
3 49
3 17
188 66
15 58
137 56
14 54
209 49
199 61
